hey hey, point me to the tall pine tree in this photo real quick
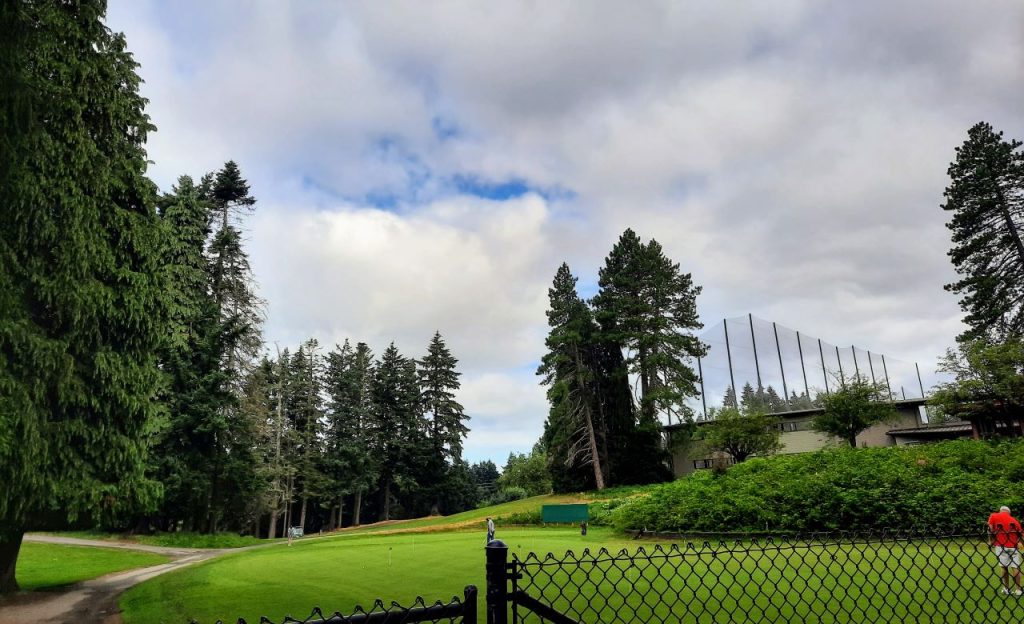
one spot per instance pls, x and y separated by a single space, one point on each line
576 434
446 427
397 430
82 304
986 199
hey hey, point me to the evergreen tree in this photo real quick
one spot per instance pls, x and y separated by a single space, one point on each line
729 398
485 477
304 406
569 375
347 458
438 381
231 279
773 401
752 400
82 304
648 307
185 452
397 430
986 199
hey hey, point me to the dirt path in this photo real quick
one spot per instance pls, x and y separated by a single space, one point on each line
95 601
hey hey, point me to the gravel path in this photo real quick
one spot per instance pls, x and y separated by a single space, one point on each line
95 601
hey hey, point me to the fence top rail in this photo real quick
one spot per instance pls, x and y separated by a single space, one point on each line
745 544
419 611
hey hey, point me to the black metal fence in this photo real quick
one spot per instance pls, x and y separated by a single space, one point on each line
456 611
822 578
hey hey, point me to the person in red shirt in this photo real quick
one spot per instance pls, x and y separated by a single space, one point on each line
1004 534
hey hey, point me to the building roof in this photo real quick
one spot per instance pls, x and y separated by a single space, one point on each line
953 427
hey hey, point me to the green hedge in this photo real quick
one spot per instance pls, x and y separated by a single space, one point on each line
949 486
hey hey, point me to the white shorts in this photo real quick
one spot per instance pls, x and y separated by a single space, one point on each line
1008 557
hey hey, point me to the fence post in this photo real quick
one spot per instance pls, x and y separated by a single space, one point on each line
497 582
469 605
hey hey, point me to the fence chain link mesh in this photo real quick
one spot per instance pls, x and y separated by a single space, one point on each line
838 577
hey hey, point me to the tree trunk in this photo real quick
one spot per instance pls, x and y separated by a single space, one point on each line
341 511
10 545
357 507
646 407
302 514
1010 225
333 519
272 530
386 504
595 454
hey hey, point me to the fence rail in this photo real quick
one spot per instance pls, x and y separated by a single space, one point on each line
456 611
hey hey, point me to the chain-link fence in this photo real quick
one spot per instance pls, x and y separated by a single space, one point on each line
866 579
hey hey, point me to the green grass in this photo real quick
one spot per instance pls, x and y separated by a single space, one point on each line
335 574
880 582
51 565
173 540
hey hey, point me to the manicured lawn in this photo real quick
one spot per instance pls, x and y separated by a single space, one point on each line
51 565
813 583
174 540
335 574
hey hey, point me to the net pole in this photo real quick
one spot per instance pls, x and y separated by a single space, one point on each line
803 369
757 367
778 349
728 354
824 371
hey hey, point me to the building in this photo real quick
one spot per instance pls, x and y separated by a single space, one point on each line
797 436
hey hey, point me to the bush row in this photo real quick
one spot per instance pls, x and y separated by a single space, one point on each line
947 486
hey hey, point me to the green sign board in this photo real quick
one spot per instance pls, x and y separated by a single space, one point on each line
564 513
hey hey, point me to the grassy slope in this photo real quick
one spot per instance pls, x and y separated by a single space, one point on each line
51 565
471 518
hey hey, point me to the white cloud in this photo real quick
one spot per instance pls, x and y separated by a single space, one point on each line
791 154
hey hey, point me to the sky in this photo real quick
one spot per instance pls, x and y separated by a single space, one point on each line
425 167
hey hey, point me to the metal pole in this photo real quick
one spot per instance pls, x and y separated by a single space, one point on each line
885 370
728 354
856 368
842 377
920 385
703 398
871 366
757 367
778 349
803 369
497 583
824 371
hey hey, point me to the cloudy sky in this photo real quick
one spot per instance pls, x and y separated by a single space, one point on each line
427 166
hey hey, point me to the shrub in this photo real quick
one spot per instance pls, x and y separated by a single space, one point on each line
506 495
949 486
